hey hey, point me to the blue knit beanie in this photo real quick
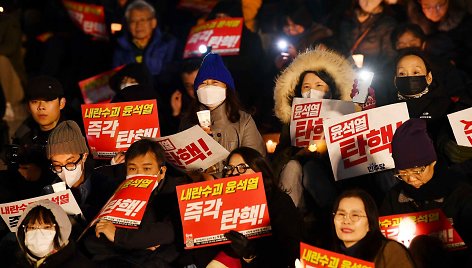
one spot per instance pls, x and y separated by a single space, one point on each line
213 68
412 146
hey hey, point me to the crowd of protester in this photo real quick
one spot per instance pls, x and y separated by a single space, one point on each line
419 51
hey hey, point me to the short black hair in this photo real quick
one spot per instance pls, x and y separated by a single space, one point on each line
142 147
190 65
401 29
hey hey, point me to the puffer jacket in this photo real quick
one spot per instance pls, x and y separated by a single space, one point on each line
329 61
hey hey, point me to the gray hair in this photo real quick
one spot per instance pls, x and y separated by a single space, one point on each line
139 5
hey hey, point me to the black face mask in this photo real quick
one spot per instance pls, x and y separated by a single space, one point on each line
411 85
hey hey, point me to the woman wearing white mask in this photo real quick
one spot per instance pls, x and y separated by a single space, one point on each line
43 235
230 126
306 172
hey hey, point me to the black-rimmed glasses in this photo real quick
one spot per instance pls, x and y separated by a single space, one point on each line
69 166
240 168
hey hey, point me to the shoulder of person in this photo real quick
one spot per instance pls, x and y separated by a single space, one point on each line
393 254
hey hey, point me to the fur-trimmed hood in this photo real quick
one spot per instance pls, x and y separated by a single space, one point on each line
331 62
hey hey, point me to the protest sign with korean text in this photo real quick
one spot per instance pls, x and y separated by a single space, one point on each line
210 209
192 149
311 257
204 6
359 143
11 212
222 35
404 227
127 205
96 89
88 17
306 124
461 123
113 127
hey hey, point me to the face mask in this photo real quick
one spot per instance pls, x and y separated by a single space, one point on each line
40 241
411 85
211 96
122 86
71 177
315 94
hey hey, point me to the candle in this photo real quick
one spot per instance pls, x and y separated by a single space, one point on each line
270 145
298 264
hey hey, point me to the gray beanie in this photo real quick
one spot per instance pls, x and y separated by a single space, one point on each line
66 138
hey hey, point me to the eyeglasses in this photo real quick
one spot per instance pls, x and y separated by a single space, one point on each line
49 227
403 176
69 166
355 217
240 168
436 7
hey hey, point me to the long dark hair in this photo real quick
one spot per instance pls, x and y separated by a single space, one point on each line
39 214
257 163
232 107
369 246
323 75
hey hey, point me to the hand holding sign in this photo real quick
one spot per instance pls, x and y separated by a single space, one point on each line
243 247
107 228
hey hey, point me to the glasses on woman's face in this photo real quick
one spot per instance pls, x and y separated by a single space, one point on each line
240 169
435 7
354 217
404 175
50 227
69 166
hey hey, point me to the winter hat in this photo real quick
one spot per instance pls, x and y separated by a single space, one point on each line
43 88
412 146
213 68
66 138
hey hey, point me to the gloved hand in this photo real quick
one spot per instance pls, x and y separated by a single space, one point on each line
243 247
456 153
370 101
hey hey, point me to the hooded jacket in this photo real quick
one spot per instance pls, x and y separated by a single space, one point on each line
338 67
67 255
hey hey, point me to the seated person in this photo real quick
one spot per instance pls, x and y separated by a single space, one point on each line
426 182
44 238
356 224
153 243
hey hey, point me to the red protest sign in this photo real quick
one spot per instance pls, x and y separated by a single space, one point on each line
210 209
316 257
404 227
204 6
127 205
88 17
222 35
113 127
96 89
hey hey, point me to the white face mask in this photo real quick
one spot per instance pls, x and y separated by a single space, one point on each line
211 96
71 177
40 242
314 94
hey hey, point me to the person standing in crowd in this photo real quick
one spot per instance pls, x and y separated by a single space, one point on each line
230 126
27 164
144 42
12 75
44 237
426 182
357 232
448 26
69 156
366 30
154 243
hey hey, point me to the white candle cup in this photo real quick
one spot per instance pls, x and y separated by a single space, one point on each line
204 118
358 60
59 187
